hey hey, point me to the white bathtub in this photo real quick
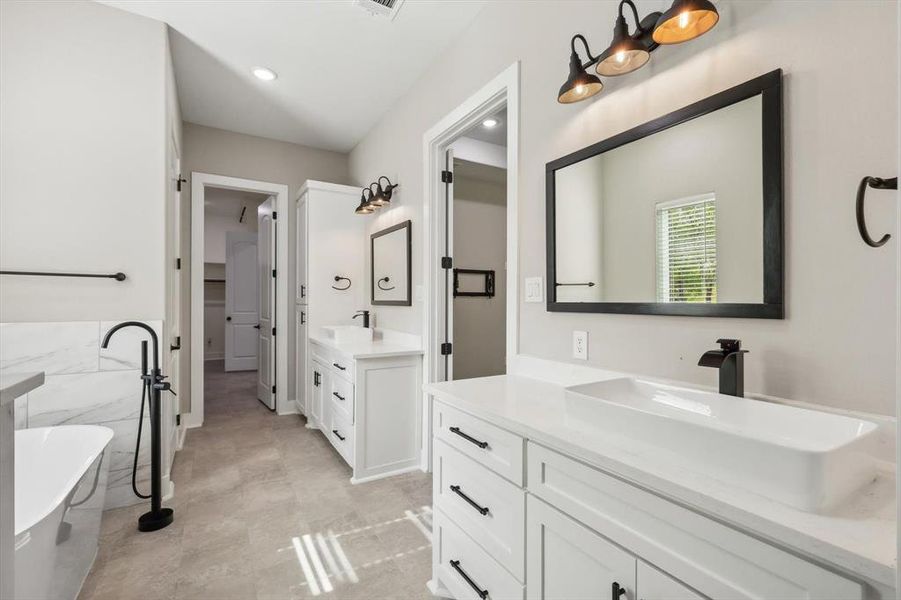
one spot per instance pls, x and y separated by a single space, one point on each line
60 486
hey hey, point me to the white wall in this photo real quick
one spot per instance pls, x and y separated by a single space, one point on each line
837 343
82 160
480 242
209 150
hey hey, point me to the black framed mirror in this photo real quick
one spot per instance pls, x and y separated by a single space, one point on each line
682 215
391 266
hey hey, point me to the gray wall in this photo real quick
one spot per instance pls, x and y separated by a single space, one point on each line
480 242
837 344
83 160
209 150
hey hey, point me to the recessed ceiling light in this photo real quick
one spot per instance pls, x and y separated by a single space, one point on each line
264 73
489 123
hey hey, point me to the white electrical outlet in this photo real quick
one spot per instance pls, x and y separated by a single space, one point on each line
580 345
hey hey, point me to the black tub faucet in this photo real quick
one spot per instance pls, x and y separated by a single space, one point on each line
729 359
365 315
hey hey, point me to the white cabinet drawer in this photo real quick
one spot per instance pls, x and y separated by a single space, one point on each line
489 508
710 557
497 449
568 561
655 585
340 433
464 567
341 395
343 366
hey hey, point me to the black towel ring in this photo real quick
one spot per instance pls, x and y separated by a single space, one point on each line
386 280
877 183
339 278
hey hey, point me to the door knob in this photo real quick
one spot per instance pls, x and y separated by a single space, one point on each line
257 326
228 318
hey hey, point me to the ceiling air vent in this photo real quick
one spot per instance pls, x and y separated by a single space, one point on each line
381 8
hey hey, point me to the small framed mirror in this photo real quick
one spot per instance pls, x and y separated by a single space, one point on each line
391 266
679 216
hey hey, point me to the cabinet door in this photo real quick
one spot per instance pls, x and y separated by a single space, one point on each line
567 561
316 387
300 359
656 585
301 241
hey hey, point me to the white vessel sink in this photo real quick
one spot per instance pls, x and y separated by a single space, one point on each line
349 334
807 459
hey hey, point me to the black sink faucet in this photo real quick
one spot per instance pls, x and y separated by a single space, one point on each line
729 359
365 315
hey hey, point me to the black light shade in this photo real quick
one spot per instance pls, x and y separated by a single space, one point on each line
685 20
365 208
382 195
580 85
624 54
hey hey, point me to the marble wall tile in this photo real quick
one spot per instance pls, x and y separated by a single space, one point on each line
55 348
88 398
124 351
122 447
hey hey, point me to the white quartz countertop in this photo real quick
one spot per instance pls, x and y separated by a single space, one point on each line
858 537
13 385
377 348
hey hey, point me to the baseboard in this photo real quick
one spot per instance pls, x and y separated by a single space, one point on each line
408 469
437 589
213 357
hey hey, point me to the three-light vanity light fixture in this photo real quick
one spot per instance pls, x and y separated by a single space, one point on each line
684 21
377 199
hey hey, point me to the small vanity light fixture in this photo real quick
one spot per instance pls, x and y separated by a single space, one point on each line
264 74
377 199
684 21
365 208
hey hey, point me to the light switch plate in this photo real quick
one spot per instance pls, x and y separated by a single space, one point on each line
534 289
580 345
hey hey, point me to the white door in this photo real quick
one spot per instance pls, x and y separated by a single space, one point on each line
301 247
300 357
446 333
567 561
267 271
317 389
242 313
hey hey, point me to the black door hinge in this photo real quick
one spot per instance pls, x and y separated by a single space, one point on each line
274 216
273 331
177 420
446 348
273 389
447 177
447 262
273 273
180 180
178 264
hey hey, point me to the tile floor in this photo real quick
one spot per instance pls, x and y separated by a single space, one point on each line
264 510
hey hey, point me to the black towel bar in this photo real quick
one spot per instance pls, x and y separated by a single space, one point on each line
116 276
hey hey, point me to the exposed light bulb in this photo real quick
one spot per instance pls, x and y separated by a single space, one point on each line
620 57
580 89
684 19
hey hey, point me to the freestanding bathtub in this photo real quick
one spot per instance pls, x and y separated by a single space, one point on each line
60 486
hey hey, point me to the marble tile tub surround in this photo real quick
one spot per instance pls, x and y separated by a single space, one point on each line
84 384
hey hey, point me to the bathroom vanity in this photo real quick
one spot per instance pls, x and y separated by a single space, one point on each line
364 394
544 489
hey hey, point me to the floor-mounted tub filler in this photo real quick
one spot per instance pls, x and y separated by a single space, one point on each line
61 476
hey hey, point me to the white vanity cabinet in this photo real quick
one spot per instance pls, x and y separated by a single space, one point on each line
368 407
563 529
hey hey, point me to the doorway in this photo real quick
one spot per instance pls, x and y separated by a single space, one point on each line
237 295
499 98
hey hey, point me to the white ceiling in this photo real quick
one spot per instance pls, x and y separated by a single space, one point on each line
339 68
495 135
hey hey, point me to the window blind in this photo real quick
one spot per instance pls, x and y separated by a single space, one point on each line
686 250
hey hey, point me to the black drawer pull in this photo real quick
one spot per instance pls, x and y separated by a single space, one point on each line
468 438
482 509
482 593
338 396
339 366
340 437
618 590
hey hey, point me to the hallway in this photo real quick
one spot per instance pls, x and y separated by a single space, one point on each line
264 509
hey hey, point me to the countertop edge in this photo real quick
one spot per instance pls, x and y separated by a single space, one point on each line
390 349
13 385
768 530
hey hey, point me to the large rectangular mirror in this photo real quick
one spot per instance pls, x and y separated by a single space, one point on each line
679 216
391 266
